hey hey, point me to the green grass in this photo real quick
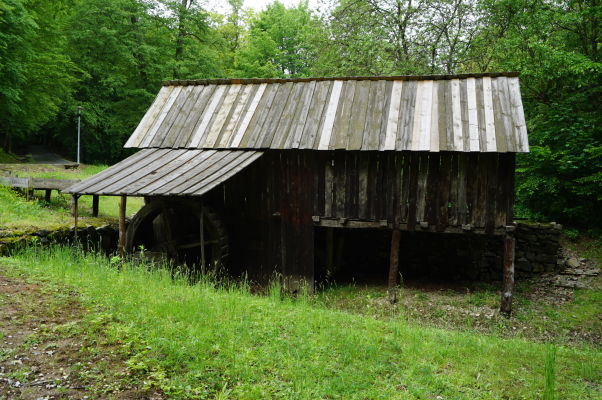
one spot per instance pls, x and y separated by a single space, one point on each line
18 213
220 341
7 157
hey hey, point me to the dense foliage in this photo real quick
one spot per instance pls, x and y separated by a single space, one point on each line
110 56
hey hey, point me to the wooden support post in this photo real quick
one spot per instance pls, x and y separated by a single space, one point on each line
122 205
394 264
202 222
47 195
75 213
508 283
95 199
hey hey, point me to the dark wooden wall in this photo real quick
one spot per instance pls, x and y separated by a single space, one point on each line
271 208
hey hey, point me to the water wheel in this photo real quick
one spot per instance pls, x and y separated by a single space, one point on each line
182 230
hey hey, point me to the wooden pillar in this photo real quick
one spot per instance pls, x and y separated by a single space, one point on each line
394 264
122 205
508 282
75 213
47 195
95 199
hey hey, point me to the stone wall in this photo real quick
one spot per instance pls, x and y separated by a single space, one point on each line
102 238
537 249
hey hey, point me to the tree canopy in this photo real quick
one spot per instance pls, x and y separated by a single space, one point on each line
110 56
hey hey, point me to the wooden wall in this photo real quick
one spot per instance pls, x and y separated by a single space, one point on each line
271 206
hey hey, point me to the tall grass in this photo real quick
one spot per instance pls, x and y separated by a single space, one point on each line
550 373
217 340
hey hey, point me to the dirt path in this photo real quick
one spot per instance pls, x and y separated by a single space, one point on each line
46 352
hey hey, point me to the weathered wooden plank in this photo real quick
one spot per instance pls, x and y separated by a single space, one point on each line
164 129
247 116
518 116
498 121
508 275
464 115
423 175
373 192
490 144
443 192
318 165
405 185
149 117
152 131
357 123
426 117
255 132
310 130
414 132
178 129
300 118
364 165
220 116
506 110
193 119
393 116
47 183
322 120
374 112
234 117
434 118
481 114
473 119
341 129
453 189
472 189
340 189
201 129
271 124
384 116
456 115
503 172
329 196
413 184
191 169
331 111
461 207
283 132
442 115
408 103
433 187
13 181
449 117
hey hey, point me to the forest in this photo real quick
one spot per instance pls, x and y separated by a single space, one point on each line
110 57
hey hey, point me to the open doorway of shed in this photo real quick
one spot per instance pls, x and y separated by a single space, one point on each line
361 256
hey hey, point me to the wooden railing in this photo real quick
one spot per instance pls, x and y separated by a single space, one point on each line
31 184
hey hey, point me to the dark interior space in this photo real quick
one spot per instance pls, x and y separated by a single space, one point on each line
361 256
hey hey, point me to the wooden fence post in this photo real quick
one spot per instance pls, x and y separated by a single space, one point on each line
95 199
508 283
394 264
122 205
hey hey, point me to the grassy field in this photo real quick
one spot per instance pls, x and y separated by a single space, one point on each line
220 341
18 213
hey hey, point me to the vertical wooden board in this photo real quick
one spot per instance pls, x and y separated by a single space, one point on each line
353 176
443 192
273 118
374 113
393 121
149 117
357 122
294 138
341 128
364 165
319 164
395 198
200 130
152 131
433 187
384 115
426 109
381 182
406 116
442 115
325 133
249 113
458 134
203 94
252 138
284 129
176 128
501 204
464 115
504 98
312 123
329 196
388 190
473 119
323 117
421 200
472 191
461 206
480 102
449 122
373 184
452 214
233 120
434 140
412 188
340 189
500 136
510 188
492 183
482 175
414 133
518 116
405 185
490 136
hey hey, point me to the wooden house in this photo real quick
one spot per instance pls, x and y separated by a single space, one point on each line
248 169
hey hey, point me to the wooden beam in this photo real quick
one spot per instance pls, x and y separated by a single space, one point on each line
508 282
122 205
394 265
95 199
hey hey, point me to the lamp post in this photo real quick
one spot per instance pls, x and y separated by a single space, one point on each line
79 118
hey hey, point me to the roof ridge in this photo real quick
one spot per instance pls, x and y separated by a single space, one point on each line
229 81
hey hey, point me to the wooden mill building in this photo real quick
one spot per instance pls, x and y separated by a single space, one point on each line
251 168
